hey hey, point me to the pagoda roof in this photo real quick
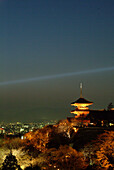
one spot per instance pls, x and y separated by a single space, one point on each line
81 100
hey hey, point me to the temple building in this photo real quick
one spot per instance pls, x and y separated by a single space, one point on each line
83 116
81 106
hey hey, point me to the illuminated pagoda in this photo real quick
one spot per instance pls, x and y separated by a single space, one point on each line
81 106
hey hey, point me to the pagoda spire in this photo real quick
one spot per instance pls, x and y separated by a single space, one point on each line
81 90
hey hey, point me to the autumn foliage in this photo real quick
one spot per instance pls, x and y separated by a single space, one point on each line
37 140
45 138
105 154
65 158
49 148
100 152
14 143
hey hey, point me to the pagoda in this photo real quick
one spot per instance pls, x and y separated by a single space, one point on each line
81 106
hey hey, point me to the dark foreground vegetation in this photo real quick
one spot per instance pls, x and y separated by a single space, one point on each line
59 147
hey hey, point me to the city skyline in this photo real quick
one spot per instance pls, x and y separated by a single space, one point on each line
58 42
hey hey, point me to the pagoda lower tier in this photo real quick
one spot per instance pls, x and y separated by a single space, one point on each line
80 112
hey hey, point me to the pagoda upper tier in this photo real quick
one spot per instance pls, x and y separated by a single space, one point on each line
81 101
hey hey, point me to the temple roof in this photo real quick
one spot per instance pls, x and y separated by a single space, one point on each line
81 100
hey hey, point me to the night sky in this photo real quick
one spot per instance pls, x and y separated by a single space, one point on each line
44 38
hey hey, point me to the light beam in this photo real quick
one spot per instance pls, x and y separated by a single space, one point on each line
57 76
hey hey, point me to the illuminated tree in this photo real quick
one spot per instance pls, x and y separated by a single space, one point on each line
65 158
38 139
105 154
100 153
14 143
42 139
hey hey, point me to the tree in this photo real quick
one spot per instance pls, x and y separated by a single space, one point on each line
57 139
105 155
110 106
40 140
37 140
10 163
14 143
65 158
100 153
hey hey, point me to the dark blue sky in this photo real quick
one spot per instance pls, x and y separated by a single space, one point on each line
49 37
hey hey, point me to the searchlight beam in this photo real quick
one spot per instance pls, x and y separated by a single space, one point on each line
57 76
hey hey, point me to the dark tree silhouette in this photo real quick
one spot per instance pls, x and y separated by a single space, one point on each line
57 139
10 163
110 106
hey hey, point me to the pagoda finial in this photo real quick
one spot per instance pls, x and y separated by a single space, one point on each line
80 90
